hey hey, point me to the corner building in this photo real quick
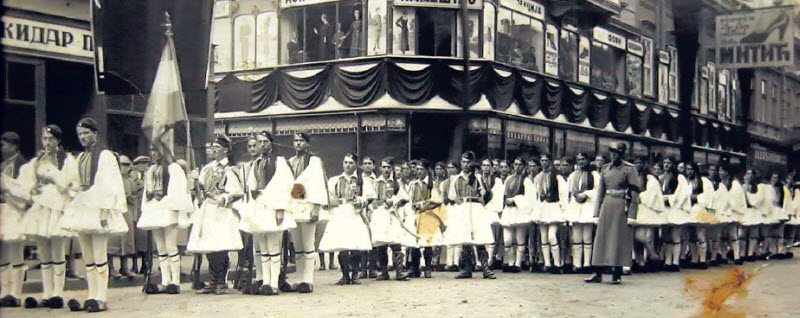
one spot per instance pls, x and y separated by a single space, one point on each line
386 77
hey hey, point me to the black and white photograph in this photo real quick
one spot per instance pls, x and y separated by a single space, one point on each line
400 158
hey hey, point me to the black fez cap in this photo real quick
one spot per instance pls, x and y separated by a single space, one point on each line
54 130
88 123
264 134
223 141
10 137
618 147
469 155
304 135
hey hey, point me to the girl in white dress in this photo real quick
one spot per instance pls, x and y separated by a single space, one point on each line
50 177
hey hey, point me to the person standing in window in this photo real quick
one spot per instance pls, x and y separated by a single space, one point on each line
376 27
402 23
324 34
355 35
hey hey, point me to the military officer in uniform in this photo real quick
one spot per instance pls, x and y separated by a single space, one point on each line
616 204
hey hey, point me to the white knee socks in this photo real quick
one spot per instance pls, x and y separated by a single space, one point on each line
47 280
92 280
166 273
102 282
175 268
59 270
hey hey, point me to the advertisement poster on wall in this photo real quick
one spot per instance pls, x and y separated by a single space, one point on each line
584 61
551 50
756 38
633 66
488 30
267 39
376 27
473 33
244 45
568 64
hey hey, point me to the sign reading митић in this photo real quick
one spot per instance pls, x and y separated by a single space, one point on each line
471 4
759 38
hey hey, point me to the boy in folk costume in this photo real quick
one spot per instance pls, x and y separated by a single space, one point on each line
534 248
426 201
515 217
494 200
469 222
166 203
386 224
419 197
347 231
616 206
215 229
793 213
754 217
308 194
551 196
16 195
583 184
369 260
673 189
95 213
781 201
733 210
49 174
264 213
251 186
702 213
717 204
651 215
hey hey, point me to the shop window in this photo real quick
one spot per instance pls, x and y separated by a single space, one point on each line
436 29
323 32
673 74
520 40
293 36
267 39
473 34
634 75
404 31
647 67
608 67
20 81
244 48
568 64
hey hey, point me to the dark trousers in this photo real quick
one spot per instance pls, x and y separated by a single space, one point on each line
218 264
350 262
468 257
416 254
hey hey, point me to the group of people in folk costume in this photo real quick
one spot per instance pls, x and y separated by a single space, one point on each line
454 216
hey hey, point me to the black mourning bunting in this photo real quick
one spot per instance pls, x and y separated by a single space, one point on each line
501 85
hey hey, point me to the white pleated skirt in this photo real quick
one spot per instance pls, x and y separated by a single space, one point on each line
80 217
215 229
44 222
10 219
514 216
646 216
257 219
469 224
580 213
346 231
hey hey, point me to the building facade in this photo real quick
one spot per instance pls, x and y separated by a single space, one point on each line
47 45
383 78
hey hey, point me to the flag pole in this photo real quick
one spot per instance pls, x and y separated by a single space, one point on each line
189 153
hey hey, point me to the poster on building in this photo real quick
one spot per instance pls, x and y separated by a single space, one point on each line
473 33
551 50
244 46
647 67
222 41
755 38
404 33
663 77
376 27
267 40
712 88
584 61
489 30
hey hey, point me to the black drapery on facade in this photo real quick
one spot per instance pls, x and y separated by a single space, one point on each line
414 84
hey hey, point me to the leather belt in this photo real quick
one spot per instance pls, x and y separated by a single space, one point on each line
472 200
616 193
